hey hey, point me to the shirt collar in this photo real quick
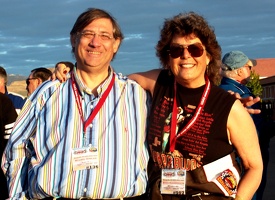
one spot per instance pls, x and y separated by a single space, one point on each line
101 88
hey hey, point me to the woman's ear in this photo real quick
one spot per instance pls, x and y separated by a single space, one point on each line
208 59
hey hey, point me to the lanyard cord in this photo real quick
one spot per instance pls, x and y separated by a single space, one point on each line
173 134
97 107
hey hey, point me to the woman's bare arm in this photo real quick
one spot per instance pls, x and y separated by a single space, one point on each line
146 80
243 135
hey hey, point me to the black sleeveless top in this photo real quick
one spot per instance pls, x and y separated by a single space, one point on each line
207 139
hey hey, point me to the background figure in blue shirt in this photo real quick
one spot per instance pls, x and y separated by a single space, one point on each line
236 71
17 100
84 137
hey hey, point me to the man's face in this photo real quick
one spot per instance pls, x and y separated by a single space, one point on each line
246 72
95 45
32 84
2 84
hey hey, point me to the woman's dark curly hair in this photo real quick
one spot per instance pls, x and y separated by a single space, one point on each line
185 24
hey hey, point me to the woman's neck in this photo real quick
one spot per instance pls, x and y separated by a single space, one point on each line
191 84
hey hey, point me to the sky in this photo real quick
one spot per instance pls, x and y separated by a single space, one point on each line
35 33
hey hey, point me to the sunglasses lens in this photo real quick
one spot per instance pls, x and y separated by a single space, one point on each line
27 81
176 51
195 50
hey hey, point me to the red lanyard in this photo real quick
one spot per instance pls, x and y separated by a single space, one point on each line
97 107
173 134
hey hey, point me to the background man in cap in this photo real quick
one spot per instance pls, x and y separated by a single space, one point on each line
236 71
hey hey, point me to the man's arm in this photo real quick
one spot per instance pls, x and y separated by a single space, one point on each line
147 80
9 117
15 160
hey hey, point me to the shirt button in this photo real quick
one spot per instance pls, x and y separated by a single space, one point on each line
85 190
91 125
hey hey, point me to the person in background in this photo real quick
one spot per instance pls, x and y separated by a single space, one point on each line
195 126
36 78
84 138
236 70
17 100
8 116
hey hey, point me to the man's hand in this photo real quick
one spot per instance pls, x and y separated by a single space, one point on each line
247 102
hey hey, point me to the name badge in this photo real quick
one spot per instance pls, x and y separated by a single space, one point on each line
173 181
85 158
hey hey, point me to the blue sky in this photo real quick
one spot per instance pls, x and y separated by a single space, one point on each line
35 33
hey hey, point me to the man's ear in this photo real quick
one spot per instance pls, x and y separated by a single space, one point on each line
239 71
116 44
73 40
39 81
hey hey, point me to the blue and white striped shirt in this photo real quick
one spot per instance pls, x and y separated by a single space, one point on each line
37 160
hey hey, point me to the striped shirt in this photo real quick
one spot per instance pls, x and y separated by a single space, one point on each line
38 160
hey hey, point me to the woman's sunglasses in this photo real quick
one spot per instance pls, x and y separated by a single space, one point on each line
195 50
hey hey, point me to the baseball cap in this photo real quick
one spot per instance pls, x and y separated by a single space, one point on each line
235 60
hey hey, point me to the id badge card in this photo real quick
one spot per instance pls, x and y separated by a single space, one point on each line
173 181
85 158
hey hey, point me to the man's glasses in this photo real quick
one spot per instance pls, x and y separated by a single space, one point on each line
90 35
195 50
28 80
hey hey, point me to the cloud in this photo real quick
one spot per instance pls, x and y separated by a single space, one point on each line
31 61
3 52
133 36
36 46
36 33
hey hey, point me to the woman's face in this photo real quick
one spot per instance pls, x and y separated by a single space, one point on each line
189 68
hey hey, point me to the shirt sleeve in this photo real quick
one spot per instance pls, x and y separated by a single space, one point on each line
16 157
10 116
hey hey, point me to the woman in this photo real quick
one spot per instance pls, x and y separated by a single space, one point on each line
215 124
196 127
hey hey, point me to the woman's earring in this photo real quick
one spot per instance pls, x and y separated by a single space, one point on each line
169 72
207 70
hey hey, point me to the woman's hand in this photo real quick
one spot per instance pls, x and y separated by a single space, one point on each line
61 70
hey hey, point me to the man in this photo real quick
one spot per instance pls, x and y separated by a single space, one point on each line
236 71
36 78
7 118
84 138
17 100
